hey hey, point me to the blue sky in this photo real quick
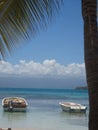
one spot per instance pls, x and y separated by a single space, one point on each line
55 52
62 40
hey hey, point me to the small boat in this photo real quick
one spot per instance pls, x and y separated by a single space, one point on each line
73 107
14 104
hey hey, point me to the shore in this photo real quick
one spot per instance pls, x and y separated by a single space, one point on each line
67 128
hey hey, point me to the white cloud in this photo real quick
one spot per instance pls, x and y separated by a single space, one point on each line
46 68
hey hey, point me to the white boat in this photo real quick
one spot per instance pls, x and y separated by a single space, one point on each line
72 107
14 104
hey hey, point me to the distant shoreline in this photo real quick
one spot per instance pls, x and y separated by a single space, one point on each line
81 88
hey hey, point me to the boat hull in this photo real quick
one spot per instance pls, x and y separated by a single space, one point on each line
14 104
15 109
73 107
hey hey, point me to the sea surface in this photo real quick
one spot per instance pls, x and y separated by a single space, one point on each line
44 111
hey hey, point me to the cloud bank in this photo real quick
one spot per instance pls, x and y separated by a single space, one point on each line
48 68
48 74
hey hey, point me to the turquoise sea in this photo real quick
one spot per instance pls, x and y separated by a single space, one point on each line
44 112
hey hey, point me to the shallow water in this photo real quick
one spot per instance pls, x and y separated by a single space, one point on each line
43 111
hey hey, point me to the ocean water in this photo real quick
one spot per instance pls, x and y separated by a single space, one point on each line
44 112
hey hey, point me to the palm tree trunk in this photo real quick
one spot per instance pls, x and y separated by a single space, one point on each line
89 12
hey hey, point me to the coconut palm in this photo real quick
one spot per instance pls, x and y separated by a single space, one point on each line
89 11
19 18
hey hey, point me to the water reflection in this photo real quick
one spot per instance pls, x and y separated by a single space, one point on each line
14 116
80 119
72 114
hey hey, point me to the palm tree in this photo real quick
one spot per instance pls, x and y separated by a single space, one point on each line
89 12
19 18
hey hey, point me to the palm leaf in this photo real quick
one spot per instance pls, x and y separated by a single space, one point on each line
20 18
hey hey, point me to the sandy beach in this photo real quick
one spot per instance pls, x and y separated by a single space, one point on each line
67 128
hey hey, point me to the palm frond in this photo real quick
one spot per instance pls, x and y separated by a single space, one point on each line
19 18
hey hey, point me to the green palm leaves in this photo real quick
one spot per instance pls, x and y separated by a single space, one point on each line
20 18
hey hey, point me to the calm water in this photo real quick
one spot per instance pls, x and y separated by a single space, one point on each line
43 111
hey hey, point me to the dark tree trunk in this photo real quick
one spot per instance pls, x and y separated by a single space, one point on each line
89 12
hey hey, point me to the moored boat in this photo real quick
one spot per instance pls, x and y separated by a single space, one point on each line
14 104
73 107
